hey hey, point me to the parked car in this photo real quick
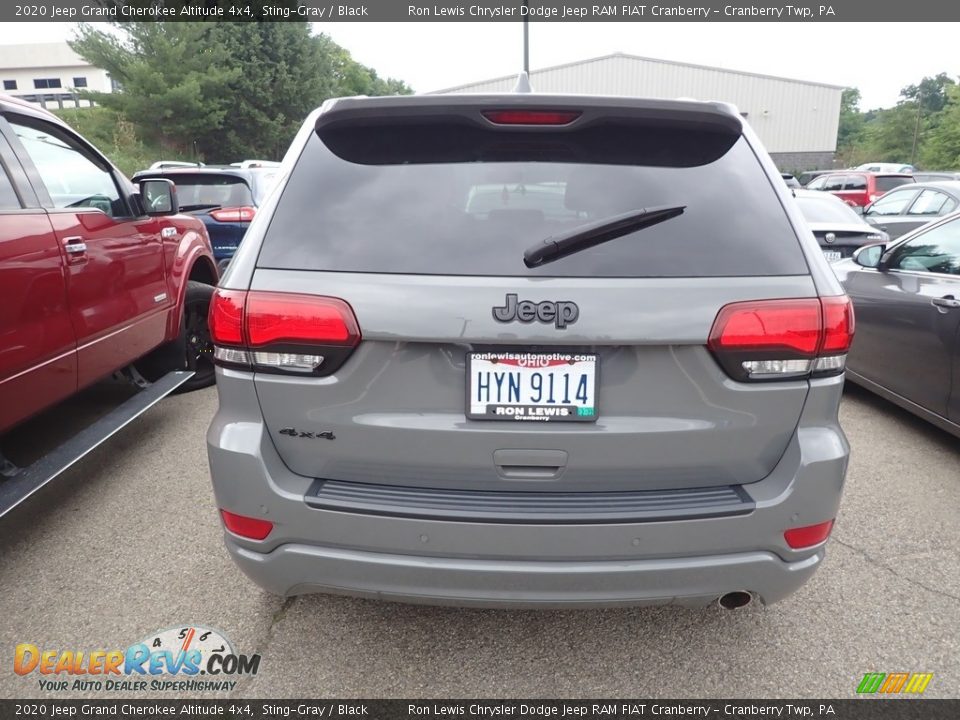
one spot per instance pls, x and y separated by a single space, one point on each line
838 229
805 177
790 180
882 167
96 275
255 164
428 393
225 198
910 206
858 189
160 164
907 298
934 176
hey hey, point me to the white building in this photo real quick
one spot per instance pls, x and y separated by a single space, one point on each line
797 120
49 74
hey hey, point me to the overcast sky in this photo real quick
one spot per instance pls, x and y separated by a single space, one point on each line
878 58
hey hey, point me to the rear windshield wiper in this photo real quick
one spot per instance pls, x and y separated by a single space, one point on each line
595 233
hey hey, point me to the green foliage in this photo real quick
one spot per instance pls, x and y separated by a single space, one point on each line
222 91
931 91
116 137
941 148
922 129
852 121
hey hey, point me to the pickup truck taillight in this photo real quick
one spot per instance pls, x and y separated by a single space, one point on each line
783 339
235 214
280 332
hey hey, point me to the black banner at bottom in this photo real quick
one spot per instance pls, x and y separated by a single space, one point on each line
852 709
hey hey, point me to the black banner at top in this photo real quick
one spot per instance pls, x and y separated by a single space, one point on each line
479 11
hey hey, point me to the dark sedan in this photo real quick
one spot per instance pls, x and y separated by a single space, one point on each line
909 206
838 229
907 301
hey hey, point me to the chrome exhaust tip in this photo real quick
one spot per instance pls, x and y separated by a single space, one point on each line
734 600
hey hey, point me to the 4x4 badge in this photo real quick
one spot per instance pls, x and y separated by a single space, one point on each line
560 313
293 432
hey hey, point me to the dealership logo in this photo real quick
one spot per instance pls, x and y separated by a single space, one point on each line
184 659
561 313
894 683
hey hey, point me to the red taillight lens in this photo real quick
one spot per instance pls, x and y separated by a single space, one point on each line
808 536
285 318
792 326
247 527
838 325
531 117
281 332
237 214
779 339
226 317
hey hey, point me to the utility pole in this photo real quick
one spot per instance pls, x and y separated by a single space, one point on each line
916 127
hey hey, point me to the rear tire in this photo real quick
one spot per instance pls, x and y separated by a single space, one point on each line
192 350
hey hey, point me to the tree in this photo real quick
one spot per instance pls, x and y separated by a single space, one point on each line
226 90
931 91
941 149
852 120
889 136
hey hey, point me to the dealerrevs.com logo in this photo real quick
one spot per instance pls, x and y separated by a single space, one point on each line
179 659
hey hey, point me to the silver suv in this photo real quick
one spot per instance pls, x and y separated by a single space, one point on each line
526 350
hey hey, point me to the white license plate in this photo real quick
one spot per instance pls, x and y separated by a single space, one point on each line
832 255
535 387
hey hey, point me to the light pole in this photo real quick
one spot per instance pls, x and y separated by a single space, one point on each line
526 37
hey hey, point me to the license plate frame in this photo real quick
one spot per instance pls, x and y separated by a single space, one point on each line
529 412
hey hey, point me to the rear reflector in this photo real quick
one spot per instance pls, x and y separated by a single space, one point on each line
281 332
246 527
780 339
531 117
808 536
236 214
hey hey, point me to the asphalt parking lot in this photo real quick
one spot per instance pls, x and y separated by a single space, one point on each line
128 542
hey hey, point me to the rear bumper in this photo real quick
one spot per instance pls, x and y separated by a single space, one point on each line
688 561
695 581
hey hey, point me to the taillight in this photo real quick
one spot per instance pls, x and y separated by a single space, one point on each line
235 214
247 527
782 339
531 117
809 535
281 332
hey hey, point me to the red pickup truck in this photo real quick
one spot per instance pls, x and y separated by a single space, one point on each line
96 275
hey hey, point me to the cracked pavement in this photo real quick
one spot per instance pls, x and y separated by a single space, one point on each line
128 542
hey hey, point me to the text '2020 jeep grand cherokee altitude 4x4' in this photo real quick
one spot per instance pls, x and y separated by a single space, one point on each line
524 350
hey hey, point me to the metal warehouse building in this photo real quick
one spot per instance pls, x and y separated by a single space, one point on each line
796 120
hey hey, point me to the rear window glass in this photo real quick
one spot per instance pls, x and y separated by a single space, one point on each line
450 209
855 182
197 191
827 210
889 183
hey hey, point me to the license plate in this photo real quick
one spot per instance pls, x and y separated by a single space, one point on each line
533 387
832 255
